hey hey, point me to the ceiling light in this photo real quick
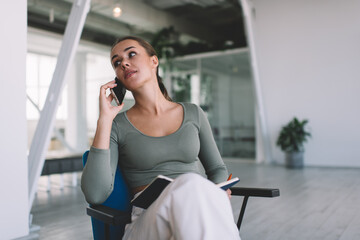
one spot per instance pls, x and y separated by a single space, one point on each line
117 11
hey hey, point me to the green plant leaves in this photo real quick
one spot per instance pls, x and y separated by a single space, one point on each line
293 135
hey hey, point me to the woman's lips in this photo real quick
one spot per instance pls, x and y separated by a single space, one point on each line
129 73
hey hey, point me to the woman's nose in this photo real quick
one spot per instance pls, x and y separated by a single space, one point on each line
125 64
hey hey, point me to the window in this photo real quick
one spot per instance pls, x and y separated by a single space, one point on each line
39 72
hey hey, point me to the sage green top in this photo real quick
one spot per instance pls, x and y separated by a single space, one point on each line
143 157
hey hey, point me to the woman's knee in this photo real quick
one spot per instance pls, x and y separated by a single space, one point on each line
193 182
190 178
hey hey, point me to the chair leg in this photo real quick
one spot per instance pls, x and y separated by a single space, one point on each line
107 231
242 212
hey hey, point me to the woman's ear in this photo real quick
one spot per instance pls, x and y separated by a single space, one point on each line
155 61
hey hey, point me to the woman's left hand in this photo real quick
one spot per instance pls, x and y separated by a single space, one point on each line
228 191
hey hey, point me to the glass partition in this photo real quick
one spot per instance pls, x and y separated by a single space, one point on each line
220 83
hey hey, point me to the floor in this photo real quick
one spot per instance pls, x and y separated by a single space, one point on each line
314 203
60 211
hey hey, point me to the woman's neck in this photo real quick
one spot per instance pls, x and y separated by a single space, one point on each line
151 102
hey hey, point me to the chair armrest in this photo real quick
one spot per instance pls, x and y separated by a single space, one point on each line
255 192
108 215
252 192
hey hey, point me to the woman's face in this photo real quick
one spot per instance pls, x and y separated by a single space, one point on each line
132 65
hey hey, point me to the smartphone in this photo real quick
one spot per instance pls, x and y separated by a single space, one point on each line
118 92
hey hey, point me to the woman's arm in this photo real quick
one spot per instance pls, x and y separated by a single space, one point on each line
98 175
209 154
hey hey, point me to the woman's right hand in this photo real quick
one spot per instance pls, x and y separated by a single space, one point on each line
107 114
107 110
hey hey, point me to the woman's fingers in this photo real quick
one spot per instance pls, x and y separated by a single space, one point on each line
228 191
107 110
110 97
104 87
118 108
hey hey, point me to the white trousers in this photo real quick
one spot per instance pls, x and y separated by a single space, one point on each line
189 208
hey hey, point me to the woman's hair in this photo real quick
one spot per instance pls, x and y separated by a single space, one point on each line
151 52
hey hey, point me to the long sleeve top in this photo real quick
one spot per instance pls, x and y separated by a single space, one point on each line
141 157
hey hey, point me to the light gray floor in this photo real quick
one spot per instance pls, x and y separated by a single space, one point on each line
315 203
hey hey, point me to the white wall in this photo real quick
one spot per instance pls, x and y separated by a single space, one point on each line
308 56
13 166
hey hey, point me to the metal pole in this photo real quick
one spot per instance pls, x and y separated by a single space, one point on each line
74 27
242 212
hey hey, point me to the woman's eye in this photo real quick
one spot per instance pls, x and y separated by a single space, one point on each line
131 54
117 63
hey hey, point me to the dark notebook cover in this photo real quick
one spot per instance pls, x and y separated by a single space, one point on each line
151 192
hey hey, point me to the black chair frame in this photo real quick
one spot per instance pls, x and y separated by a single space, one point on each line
115 217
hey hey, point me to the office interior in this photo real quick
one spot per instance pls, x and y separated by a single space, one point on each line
278 59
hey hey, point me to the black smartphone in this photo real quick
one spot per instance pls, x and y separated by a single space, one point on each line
118 92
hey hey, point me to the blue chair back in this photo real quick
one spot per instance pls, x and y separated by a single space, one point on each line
119 199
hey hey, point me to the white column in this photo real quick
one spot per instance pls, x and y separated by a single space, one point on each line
247 8
76 127
14 217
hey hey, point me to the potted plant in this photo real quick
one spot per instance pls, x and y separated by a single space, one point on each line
291 140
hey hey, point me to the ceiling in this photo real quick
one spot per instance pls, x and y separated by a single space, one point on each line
217 23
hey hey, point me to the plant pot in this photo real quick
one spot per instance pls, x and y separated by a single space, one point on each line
294 159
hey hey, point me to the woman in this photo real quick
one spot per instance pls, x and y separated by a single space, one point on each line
158 136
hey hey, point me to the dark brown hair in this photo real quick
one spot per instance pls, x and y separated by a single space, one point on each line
151 52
